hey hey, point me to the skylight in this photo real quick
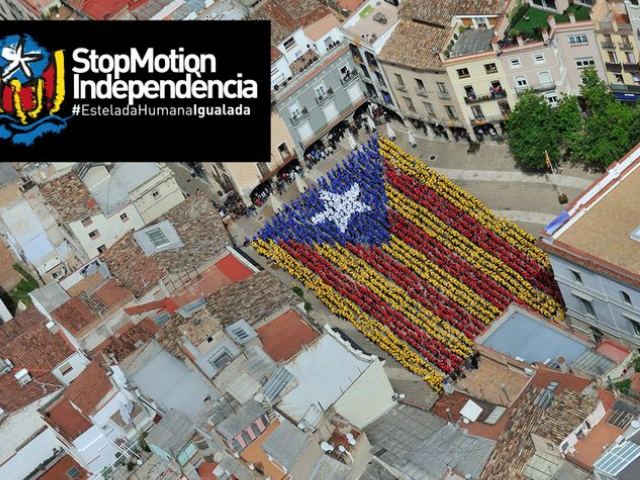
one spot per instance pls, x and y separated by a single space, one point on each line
158 238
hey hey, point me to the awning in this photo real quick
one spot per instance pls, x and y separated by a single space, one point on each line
626 97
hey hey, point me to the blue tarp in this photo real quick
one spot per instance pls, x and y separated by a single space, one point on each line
557 222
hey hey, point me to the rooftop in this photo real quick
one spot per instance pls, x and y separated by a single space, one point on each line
68 196
472 41
89 389
596 230
243 418
537 18
519 333
284 336
50 296
254 453
224 10
27 343
129 339
286 444
415 45
60 468
8 174
372 20
446 9
68 420
172 433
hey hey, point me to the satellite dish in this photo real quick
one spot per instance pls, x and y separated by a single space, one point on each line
350 439
635 424
342 449
326 447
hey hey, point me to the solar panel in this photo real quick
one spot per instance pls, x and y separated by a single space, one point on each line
618 458
276 384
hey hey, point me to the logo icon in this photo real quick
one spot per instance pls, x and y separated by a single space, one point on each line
32 89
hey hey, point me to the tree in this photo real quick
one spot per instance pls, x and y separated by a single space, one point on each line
569 123
532 130
594 91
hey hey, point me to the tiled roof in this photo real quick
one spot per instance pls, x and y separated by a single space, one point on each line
568 411
440 12
411 44
300 8
136 271
74 315
61 467
112 294
69 196
67 420
89 388
130 340
282 23
27 343
284 336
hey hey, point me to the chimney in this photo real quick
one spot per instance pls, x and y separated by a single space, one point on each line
563 365
572 17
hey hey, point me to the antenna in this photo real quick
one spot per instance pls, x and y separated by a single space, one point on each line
326 447
342 449
350 439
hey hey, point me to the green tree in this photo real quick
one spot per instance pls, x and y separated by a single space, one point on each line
532 130
594 91
569 123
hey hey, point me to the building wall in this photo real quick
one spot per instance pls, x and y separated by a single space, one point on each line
478 68
157 196
30 456
593 419
77 362
367 398
314 120
111 229
432 94
613 316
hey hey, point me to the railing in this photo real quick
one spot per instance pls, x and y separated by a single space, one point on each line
625 46
444 95
485 98
631 67
625 88
608 44
349 77
613 66
422 92
322 99
540 87
296 119
624 28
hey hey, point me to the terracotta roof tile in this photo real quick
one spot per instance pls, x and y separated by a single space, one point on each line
282 23
27 343
129 340
111 294
285 335
74 315
635 384
568 411
69 196
153 306
59 470
67 420
88 283
411 44
90 387
300 8
440 12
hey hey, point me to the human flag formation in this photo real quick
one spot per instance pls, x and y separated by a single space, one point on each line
415 263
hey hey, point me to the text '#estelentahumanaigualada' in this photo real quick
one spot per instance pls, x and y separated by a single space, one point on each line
190 86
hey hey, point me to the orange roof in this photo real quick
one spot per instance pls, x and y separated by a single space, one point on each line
613 351
111 294
61 467
233 268
635 383
89 389
285 335
254 453
205 471
127 340
566 381
74 315
68 420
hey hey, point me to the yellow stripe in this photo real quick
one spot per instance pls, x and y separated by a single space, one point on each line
59 94
17 105
38 99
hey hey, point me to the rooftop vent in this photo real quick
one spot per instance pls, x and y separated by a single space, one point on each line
5 366
23 377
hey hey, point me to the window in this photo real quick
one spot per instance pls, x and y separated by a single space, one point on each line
124 217
442 88
515 63
95 234
613 57
631 58
576 276
545 78
625 297
552 98
564 446
380 79
328 41
587 425
284 151
186 454
429 109
256 431
321 91
155 194
65 368
490 68
463 73
399 79
538 58
619 78
588 308
451 112
477 112
102 248
410 104
580 434
87 221
289 44
157 237
220 359
73 472
636 326
294 110
578 40
584 62
521 81
420 85
263 168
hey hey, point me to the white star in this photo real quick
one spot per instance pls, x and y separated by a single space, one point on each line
18 60
339 208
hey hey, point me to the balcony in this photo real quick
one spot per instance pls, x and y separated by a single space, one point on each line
616 88
401 87
613 67
486 98
422 92
625 46
631 67
299 117
322 99
608 44
444 95
539 88
349 78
